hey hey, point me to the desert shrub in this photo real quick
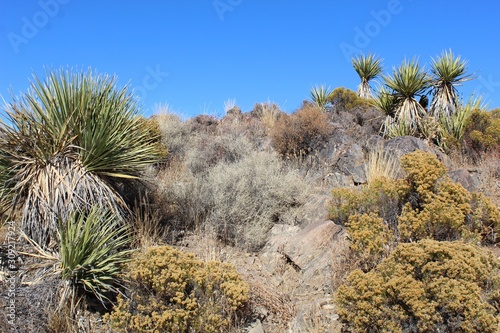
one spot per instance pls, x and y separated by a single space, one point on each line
172 291
423 170
174 133
302 132
383 196
203 123
482 133
206 151
343 99
485 218
424 204
247 197
370 238
268 113
239 198
441 209
427 286
442 215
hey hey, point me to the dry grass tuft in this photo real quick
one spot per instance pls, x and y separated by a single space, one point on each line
382 163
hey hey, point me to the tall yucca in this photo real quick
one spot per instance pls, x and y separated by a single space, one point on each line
66 145
368 67
448 71
406 83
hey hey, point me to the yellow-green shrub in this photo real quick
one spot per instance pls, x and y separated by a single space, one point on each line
425 204
423 170
172 291
441 209
345 100
382 196
370 238
482 132
442 215
427 286
485 218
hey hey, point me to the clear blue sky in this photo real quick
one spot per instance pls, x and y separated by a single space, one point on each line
194 55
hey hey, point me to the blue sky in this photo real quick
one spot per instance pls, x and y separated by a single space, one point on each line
194 55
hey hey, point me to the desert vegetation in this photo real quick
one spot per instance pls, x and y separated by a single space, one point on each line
356 212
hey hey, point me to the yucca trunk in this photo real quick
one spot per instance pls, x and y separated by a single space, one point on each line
448 72
364 90
58 190
444 103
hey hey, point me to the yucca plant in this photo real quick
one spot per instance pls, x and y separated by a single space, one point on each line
368 68
407 82
92 250
67 145
448 71
384 101
320 95
454 126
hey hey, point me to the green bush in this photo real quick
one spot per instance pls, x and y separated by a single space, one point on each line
427 286
172 291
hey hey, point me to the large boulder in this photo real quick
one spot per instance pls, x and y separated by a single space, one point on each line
352 163
403 145
309 251
463 177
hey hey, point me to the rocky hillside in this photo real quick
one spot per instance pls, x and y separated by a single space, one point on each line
254 189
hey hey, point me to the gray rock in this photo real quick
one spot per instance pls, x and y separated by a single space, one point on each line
403 145
309 251
463 177
256 327
352 163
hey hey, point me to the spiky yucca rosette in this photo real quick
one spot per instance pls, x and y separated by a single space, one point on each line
65 146
368 68
406 83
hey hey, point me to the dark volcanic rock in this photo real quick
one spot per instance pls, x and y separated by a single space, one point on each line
403 145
